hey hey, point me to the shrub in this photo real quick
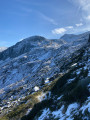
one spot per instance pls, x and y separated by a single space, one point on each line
37 108
78 93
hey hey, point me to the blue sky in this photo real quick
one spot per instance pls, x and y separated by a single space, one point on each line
49 18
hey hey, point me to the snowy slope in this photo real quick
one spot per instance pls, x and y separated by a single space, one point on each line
69 98
33 59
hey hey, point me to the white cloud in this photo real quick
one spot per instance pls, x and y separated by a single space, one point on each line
52 21
62 30
84 6
80 24
84 10
59 31
88 17
69 27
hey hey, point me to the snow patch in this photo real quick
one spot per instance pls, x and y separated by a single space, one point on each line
44 113
47 81
36 88
28 111
74 64
71 108
70 80
58 113
59 97
86 106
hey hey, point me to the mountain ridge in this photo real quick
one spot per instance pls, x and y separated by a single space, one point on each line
27 44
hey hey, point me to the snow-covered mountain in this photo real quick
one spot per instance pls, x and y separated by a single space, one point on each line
71 38
36 59
67 97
